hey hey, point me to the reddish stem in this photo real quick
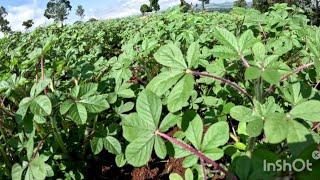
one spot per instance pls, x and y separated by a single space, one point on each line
285 77
226 81
192 150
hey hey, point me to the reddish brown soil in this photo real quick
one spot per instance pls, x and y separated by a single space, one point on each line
175 166
144 173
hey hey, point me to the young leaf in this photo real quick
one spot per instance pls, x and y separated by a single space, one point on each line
41 105
78 113
164 81
217 135
195 131
112 145
276 128
246 40
226 38
298 137
259 51
272 76
95 104
193 55
171 56
149 108
180 93
96 145
138 152
242 114
160 148
252 73
309 111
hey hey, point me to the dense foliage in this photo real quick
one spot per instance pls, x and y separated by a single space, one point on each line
223 92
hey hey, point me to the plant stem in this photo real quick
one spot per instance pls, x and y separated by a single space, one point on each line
226 81
42 72
192 150
203 169
244 61
57 135
3 152
285 77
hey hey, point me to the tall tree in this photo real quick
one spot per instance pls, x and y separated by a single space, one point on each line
4 23
154 4
203 2
145 8
240 3
80 11
58 10
28 24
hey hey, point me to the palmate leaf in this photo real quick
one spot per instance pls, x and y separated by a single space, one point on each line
193 55
112 145
78 113
164 81
41 105
171 56
226 38
276 128
95 104
139 128
194 131
139 151
181 93
309 111
217 135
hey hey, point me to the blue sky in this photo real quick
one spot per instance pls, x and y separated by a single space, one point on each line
21 10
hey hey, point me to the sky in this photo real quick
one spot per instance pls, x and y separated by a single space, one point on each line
22 10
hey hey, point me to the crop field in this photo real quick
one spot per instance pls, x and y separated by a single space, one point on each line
172 95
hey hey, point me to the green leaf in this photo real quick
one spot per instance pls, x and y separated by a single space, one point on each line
78 113
224 52
226 38
169 121
242 114
246 40
126 93
39 119
309 111
23 108
86 90
41 105
195 131
171 56
175 176
259 51
95 104
39 87
96 145
188 174
193 55
181 93
16 172
149 108
65 106
164 81
131 124
120 160
252 73
254 128
112 145
276 128
272 76
214 153
138 152
190 161
298 137
160 148
217 135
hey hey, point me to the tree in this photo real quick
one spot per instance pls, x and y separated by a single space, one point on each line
80 11
184 6
4 23
28 24
240 3
58 10
204 2
154 4
145 8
